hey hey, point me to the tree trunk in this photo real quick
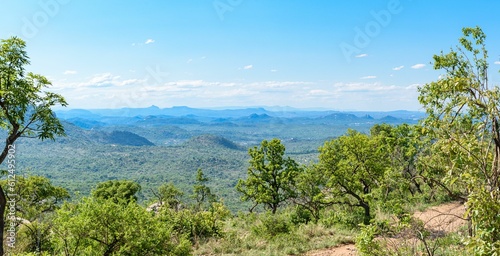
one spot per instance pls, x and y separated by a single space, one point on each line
13 136
3 200
367 217
3 203
417 185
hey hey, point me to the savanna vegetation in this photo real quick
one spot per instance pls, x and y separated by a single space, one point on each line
360 187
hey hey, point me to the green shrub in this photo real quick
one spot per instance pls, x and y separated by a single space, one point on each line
365 241
349 218
272 225
197 225
300 215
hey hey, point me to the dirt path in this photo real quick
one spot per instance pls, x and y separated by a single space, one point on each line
343 250
443 218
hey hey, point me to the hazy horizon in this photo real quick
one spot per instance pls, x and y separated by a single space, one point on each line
337 55
267 108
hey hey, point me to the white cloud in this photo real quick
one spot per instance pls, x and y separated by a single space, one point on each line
418 66
220 90
128 82
70 72
497 62
278 84
102 79
200 86
361 55
368 77
319 92
274 70
149 41
248 67
398 68
189 83
412 86
189 61
236 92
362 87
98 81
108 79
109 90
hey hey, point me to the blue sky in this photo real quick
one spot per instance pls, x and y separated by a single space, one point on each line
340 55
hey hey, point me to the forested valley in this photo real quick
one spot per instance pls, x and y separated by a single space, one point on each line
251 181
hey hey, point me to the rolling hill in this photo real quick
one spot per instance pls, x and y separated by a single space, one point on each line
153 145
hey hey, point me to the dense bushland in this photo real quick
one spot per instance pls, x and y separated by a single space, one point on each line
362 188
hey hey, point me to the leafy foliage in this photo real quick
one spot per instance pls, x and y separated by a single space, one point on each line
357 177
117 190
197 225
35 195
25 107
311 192
201 192
271 176
273 225
366 243
463 119
104 227
355 164
36 199
168 194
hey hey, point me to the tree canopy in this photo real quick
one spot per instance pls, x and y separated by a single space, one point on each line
117 190
25 105
271 176
463 120
25 108
355 164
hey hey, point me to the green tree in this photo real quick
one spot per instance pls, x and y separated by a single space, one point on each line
35 195
103 227
201 192
355 164
197 224
117 190
463 113
25 108
168 194
311 191
36 199
404 144
270 177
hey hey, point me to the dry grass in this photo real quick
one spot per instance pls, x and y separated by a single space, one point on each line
240 240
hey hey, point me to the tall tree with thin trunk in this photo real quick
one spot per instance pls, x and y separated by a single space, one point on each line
463 120
201 192
25 108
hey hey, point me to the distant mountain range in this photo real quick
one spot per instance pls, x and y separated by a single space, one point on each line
153 145
154 116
